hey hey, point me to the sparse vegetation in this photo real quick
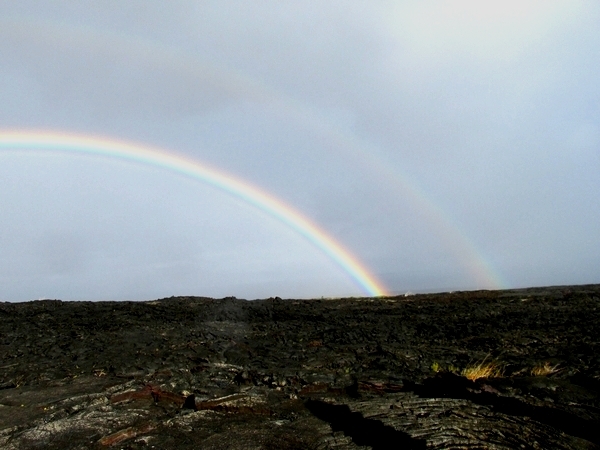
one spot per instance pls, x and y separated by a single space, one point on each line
544 370
493 370
483 370
437 367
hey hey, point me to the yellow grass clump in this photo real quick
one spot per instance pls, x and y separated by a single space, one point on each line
544 370
437 367
483 370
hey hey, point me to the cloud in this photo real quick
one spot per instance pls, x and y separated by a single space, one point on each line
110 76
428 137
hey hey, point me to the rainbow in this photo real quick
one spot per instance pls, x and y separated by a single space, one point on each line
482 270
237 85
53 141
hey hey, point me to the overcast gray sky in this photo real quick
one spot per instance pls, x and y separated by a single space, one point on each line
444 144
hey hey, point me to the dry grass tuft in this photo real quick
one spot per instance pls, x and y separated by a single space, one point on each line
544 370
483 370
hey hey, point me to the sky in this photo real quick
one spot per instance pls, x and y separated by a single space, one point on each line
420 146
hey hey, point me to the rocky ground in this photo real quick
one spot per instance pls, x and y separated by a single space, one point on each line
304 374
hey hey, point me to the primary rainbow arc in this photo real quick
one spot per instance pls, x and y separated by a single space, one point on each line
194 169
240 85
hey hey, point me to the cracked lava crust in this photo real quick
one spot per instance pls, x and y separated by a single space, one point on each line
482 369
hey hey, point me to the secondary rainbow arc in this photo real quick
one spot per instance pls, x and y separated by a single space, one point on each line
169 160
240 86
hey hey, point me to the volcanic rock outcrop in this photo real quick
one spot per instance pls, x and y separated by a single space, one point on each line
398 372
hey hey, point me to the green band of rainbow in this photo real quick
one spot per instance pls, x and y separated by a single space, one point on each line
180 164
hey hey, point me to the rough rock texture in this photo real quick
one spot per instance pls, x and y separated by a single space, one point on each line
304 374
